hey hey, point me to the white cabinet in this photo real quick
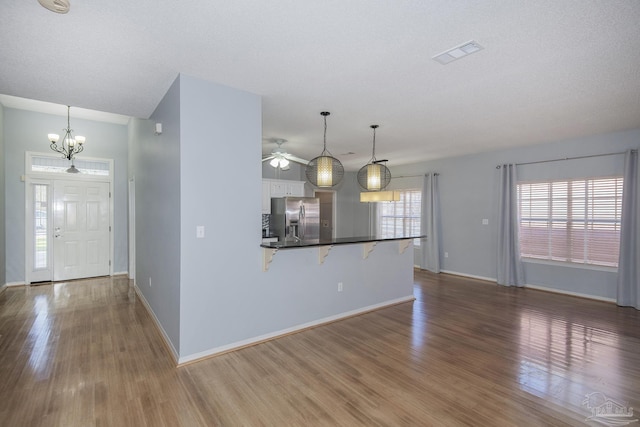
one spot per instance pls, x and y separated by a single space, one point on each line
266 197
279 188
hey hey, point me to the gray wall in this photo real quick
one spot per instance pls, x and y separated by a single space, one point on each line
155 167
352 216
468 194
215 273
28 132
3 205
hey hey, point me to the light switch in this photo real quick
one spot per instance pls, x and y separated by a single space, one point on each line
485 221
200 231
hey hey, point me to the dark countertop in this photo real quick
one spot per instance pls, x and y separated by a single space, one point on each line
337 241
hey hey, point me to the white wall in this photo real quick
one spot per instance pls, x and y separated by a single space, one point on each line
28 132
468 194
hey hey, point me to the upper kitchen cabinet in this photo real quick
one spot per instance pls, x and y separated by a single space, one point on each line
279 188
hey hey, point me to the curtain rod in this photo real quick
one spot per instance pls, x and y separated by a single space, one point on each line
412 176
569 158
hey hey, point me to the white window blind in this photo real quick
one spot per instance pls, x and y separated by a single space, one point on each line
401 218
575 220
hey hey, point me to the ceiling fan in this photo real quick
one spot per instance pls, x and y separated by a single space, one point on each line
279 158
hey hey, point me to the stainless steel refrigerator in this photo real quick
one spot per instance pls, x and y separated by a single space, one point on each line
295 219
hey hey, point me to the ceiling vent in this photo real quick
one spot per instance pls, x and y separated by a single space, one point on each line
457 52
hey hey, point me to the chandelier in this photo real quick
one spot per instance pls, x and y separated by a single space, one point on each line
324 170
70 145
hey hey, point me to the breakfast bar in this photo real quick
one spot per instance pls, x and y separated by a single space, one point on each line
368 244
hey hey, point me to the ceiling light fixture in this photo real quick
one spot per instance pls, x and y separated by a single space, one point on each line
374 176
57 6
457 52
324 170
70 145
279 162
380 196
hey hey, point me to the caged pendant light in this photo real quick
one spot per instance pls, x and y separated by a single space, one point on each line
324 170
374 176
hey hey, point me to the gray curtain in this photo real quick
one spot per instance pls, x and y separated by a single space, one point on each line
509 265
430 223
629 261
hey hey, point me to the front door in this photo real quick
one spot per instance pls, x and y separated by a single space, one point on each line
80 229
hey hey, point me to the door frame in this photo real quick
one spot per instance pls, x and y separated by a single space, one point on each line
32 177
132 228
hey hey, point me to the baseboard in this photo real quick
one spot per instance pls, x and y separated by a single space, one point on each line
170 348
288 331
121 273
538 287
573 294
471 276
2 288
10 284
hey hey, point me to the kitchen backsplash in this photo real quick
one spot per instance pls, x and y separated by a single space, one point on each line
265 221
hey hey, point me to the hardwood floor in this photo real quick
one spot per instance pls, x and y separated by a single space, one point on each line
466 352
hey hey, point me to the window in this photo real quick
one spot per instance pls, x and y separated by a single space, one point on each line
575 220
41 226
401 218
56 164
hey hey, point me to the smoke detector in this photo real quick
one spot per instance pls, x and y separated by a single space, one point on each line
57 6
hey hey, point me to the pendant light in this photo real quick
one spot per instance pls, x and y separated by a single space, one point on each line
374 176
324 170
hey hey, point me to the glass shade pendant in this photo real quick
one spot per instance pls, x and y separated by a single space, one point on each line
374 176
324 170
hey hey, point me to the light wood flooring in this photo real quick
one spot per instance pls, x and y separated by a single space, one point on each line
466 352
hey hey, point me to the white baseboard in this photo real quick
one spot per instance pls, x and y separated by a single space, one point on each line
471 276
163 333
573 294
538 287
298 328
121 273
9 284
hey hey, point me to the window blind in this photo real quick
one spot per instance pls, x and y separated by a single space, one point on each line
401 218
575 221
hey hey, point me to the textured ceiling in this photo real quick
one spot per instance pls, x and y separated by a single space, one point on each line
549 70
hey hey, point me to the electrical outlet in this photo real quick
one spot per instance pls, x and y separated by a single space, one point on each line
339 286
200 232
446 254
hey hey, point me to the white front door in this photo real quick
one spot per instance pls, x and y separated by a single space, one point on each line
80 229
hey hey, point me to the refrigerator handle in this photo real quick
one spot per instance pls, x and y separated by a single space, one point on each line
301 232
